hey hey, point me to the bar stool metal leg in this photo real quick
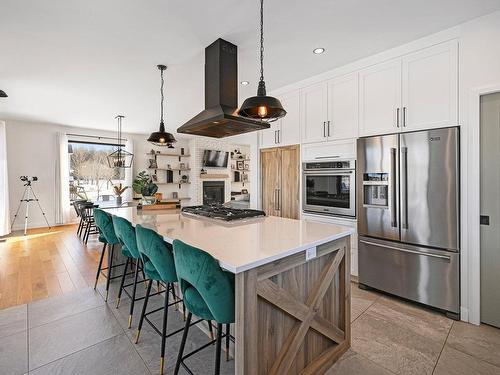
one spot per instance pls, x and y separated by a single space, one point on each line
132 302
100 265
122 282
228 327
183 344
143 314
164 331
211 329
110 265
218 349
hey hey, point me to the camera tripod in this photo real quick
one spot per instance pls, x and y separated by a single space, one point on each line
28 191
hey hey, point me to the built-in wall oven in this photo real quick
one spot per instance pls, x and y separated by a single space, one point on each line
329 187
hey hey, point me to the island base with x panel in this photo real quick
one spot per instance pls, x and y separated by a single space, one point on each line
293 315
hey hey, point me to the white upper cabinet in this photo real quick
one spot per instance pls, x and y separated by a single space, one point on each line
286 130
289 132
343 107
314 113
380 98
269 137
430 87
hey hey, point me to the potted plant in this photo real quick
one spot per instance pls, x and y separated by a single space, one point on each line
119 189
144 185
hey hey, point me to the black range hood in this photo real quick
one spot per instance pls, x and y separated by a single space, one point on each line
220 117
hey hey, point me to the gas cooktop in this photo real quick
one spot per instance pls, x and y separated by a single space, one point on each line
219 212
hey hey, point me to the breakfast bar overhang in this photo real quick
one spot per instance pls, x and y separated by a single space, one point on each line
292 287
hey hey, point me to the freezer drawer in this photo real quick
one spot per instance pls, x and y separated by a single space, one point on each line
427 276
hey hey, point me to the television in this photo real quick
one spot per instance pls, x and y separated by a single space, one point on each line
215 159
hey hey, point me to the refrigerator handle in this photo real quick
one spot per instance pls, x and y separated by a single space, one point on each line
394 220
404 169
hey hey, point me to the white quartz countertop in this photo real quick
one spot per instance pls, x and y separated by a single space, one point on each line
238 246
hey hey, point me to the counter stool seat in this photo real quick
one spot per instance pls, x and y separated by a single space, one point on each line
107 236
208 292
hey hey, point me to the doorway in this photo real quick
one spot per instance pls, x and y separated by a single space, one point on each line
490 208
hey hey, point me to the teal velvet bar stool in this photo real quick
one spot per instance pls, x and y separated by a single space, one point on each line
125 233
107 236
159 266
208 293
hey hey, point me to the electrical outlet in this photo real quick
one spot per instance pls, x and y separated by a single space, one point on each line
310 253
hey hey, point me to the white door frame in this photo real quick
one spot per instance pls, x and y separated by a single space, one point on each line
471 234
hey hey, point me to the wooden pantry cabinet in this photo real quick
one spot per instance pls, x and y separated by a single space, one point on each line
280 174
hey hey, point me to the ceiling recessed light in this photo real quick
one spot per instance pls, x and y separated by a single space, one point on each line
318 51
244 83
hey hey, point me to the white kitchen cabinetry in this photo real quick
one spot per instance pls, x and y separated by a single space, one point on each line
285 131
417 91
343 107
341 149
430 88
330 110
380 98
314 112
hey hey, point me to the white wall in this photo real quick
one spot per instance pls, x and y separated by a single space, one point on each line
479 74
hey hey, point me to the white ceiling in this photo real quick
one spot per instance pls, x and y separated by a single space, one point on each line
80 63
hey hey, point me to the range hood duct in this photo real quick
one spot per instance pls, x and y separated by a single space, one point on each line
220 117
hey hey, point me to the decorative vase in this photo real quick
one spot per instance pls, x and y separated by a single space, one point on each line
147 200
119 200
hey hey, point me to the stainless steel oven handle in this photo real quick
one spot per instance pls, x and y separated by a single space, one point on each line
329 172
407 251
327 157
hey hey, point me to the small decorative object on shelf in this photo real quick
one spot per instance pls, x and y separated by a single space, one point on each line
158 196
244 177
182 166
203 171
154 178
174 195
119 189
169 166
244 191
247 166
182 150
153 164
152 152
240 165
184 179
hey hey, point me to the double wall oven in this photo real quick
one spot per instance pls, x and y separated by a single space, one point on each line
329 187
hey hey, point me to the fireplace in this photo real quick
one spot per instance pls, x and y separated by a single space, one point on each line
213 192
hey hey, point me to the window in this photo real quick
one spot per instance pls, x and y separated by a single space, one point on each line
90 176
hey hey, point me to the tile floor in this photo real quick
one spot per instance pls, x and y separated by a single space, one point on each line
78 333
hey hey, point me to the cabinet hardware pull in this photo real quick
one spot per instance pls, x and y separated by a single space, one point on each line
404 117
397 117
328 127
324 129
279 135
275 137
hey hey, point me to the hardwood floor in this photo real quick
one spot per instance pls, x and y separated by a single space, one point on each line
45 263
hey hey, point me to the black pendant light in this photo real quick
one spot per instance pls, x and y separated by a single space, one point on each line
120 158
161 137
3 94
262 107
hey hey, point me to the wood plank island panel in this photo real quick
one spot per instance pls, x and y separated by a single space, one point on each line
293 315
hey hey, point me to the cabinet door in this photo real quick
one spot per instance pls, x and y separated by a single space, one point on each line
314 113
430 88
289 191
380 98
269 137
289 128
343 107
271 180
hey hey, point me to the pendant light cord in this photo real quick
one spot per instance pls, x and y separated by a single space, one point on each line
162 97
262 40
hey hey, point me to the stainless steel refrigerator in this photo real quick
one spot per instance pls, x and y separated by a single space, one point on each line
408 216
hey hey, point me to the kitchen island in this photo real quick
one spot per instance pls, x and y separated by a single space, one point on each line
292 285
